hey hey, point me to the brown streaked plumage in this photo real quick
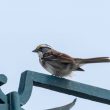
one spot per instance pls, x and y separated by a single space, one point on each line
61 64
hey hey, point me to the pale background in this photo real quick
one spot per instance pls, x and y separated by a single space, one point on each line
80 28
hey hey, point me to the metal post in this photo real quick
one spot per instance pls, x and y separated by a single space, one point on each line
13 101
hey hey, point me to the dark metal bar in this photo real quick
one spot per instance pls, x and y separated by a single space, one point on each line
25 87
14 101
3 80
25 90
71 87
3 98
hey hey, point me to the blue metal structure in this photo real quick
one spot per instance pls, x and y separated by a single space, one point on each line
15 100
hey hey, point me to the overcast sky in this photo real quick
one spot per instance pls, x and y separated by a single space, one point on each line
79 28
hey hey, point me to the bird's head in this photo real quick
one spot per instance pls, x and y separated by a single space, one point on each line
42 48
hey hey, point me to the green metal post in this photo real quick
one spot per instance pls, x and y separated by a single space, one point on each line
14 101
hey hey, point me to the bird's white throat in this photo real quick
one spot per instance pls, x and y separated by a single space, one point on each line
40 54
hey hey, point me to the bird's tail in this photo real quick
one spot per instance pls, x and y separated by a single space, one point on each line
93 60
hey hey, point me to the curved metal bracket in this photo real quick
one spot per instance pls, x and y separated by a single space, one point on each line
3 97
25 87
14 100
3 80
27 81
66 107
61 85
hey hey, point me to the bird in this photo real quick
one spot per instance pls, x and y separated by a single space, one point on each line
60 64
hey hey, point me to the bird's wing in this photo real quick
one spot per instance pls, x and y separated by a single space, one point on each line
58 57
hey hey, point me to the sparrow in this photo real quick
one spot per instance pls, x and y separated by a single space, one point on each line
60 64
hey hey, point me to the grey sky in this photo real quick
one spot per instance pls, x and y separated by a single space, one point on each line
80 28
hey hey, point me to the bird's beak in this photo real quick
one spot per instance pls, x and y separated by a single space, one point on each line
35 50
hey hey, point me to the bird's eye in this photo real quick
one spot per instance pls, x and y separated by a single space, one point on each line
40 49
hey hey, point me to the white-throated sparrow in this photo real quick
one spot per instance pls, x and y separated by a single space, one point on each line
60 64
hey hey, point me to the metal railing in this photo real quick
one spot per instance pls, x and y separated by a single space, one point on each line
15 100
